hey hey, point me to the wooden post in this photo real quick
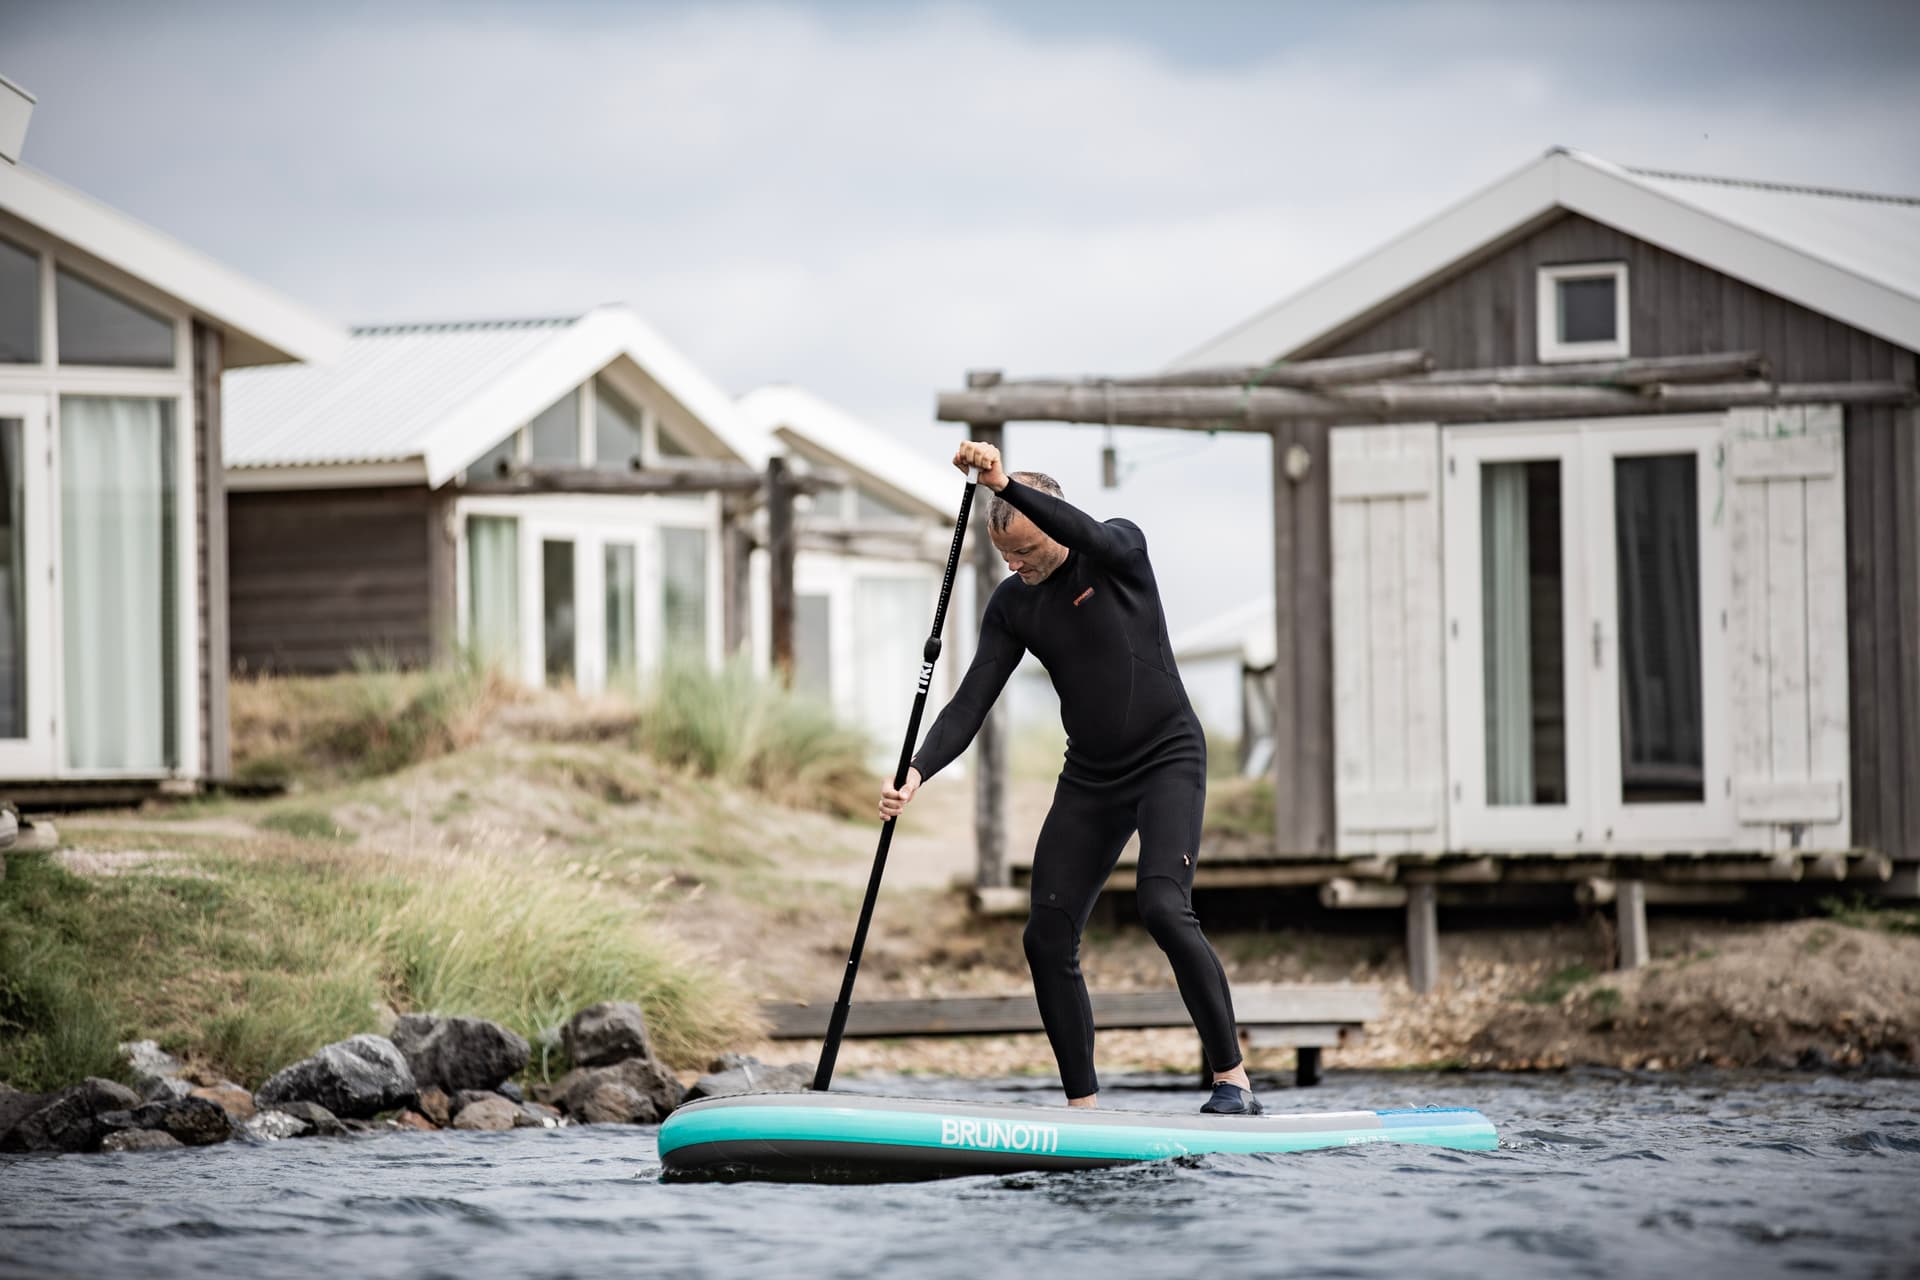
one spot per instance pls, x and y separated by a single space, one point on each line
1302 681
1306 1066
209 359
1630 922
990 745
1286 715
780 545
1423 938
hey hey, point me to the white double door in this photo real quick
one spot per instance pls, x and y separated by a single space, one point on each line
1585 599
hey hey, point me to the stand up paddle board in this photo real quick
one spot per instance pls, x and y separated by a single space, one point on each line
839 1137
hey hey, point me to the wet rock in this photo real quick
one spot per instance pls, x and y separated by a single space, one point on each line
230 1098
436 1106
637 1091
1814 1058
605 1033
354 1079
459 1053
141 1140
409 1119
491 1113
467 1097
71 1119
510 1091
16 1106
752 1076
319 1121
541 1114
196 1122
272 1126
154 1072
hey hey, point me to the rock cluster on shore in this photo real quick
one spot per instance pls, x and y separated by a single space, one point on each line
432 1072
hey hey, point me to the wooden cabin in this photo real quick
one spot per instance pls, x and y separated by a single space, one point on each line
1596 541
113 543
545 494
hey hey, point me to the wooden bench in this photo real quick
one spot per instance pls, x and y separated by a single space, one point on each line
1306 1018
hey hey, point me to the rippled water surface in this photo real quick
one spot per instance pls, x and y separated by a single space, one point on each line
1599 1175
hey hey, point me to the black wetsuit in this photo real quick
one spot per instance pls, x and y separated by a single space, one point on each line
1136 760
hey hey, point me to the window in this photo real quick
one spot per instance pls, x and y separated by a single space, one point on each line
493 591
683 605
556 608
667 446
622 652
813 645
870 507
616 430
102 328
555 433
1583 311
497 461
118 583
19 305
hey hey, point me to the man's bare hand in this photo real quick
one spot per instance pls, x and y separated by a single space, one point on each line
892 802
975 453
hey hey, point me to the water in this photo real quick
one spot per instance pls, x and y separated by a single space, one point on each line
1597 1175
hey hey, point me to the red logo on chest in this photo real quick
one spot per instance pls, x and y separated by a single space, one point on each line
1082 597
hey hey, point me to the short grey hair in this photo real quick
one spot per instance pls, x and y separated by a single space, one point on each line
1002 512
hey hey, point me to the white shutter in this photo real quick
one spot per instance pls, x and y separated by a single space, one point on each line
1388 709
1787 625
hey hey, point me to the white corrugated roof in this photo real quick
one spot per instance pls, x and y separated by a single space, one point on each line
445 394
1848 255
858 447
1245 631
260 326
1873 236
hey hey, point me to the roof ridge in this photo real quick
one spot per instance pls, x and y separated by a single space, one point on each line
1791 188
460 326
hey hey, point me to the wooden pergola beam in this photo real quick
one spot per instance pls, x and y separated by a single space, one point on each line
1634 371
1305 374
1261 409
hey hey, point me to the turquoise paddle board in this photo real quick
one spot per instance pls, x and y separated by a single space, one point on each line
841 1137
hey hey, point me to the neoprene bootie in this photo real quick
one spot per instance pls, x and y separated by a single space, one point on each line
1231 1100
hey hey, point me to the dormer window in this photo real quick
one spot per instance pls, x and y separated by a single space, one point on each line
1583 311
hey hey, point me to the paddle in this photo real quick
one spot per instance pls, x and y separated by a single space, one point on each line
836 1028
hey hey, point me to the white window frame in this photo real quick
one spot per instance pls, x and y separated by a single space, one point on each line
1552 349
49 380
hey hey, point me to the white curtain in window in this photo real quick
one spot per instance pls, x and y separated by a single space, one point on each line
890 620
683 607
116 546
493 591
1505 593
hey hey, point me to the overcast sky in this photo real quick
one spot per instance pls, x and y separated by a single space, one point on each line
869 199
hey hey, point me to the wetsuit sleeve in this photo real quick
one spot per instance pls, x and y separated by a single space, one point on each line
1071 527
994 658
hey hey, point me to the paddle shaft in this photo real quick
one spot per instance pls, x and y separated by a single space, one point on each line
930 654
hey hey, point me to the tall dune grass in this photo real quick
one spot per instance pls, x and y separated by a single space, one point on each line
754 732
246 963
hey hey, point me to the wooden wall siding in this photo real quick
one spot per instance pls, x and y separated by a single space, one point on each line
443 585
1303 731
211 550
1883 650
1787 627
318 577
1389 701
1485 315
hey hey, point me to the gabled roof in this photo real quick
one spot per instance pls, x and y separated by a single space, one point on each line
436 397
878 460
1849 255
260 326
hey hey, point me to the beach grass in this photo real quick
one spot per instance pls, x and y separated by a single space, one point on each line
243 961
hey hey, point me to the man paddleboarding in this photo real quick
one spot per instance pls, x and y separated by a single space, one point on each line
1083 600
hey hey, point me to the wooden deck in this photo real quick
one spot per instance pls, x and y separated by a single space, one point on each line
1306 1017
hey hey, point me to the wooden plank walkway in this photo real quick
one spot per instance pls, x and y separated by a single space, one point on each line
1306 1017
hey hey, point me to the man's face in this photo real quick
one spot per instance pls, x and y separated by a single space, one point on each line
1027 551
